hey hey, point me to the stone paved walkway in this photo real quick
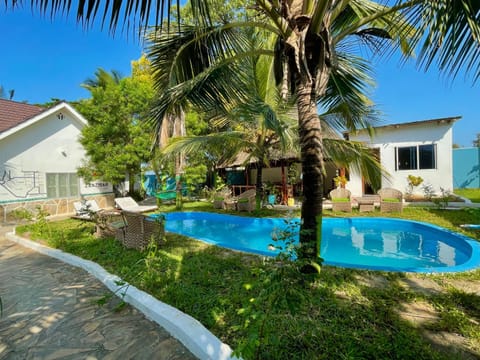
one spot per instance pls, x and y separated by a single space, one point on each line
51 311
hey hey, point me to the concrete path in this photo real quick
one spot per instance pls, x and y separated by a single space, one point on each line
51 311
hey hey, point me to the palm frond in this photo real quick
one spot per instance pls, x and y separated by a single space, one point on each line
449 35
377 25
347 107
129 13
355 156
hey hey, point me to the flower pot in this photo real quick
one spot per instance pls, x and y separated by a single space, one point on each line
271 199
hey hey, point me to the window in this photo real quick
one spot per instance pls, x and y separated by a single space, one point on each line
62 185
407 158
416 157
426 156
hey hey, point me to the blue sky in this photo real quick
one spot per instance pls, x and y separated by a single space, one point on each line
44 59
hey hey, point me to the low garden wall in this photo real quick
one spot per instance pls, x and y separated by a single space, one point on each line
54 207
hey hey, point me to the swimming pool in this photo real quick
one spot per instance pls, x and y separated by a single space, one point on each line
364 243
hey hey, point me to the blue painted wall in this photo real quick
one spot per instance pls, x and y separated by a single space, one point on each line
466 168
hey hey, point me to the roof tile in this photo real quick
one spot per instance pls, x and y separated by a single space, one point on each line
13 113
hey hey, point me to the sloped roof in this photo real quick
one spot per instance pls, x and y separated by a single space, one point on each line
430 122
242 158
13 113
22 119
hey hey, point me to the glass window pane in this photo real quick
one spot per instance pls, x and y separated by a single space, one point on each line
407 158
62 185
51 185
73 184
427 156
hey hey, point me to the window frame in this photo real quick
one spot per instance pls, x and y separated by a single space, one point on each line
66 185
418 158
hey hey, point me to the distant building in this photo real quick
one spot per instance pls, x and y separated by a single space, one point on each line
39 157
420 148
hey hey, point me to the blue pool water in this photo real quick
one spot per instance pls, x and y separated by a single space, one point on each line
366 243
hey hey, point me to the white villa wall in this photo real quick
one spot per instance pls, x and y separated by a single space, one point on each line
49 145
386 139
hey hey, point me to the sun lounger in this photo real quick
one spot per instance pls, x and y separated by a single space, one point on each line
470 226
128 204
84 210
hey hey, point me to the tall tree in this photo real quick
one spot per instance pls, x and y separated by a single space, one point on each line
115 140
248 105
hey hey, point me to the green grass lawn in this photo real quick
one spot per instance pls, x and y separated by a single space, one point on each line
270 312
472 194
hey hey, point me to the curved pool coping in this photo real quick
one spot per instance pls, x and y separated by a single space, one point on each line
471 264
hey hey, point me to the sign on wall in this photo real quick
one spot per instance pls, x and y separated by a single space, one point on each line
95 187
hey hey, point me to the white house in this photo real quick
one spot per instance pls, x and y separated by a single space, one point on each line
39 157
420 148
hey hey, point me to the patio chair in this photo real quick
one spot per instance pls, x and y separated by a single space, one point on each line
223 200
246 200
85 210
128 204
391 200
139 230
341 200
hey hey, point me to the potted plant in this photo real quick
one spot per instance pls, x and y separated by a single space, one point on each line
340 181
271 193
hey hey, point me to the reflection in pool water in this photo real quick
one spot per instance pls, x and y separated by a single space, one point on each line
371 243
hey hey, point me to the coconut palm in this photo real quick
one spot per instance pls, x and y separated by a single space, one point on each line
309 33
209 74
102 79
245 99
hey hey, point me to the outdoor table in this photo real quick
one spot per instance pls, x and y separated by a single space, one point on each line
366 203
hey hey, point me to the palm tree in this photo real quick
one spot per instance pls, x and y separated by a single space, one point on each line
208 77
243 95
309 33
102 79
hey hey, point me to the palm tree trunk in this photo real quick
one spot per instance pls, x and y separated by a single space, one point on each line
311 145
259 186
179 130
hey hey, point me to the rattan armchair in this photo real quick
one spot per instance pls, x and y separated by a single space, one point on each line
139 230
391 200
341 200
222 198
246 200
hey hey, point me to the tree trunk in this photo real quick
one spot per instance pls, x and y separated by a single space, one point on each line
179 130
131 182
259 187
310 136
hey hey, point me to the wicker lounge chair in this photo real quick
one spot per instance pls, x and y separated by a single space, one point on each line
128 204
139 230
223 199
391 200
341 200
246 200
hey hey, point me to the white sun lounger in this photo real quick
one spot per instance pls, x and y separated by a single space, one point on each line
470 226
84 210
128 204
